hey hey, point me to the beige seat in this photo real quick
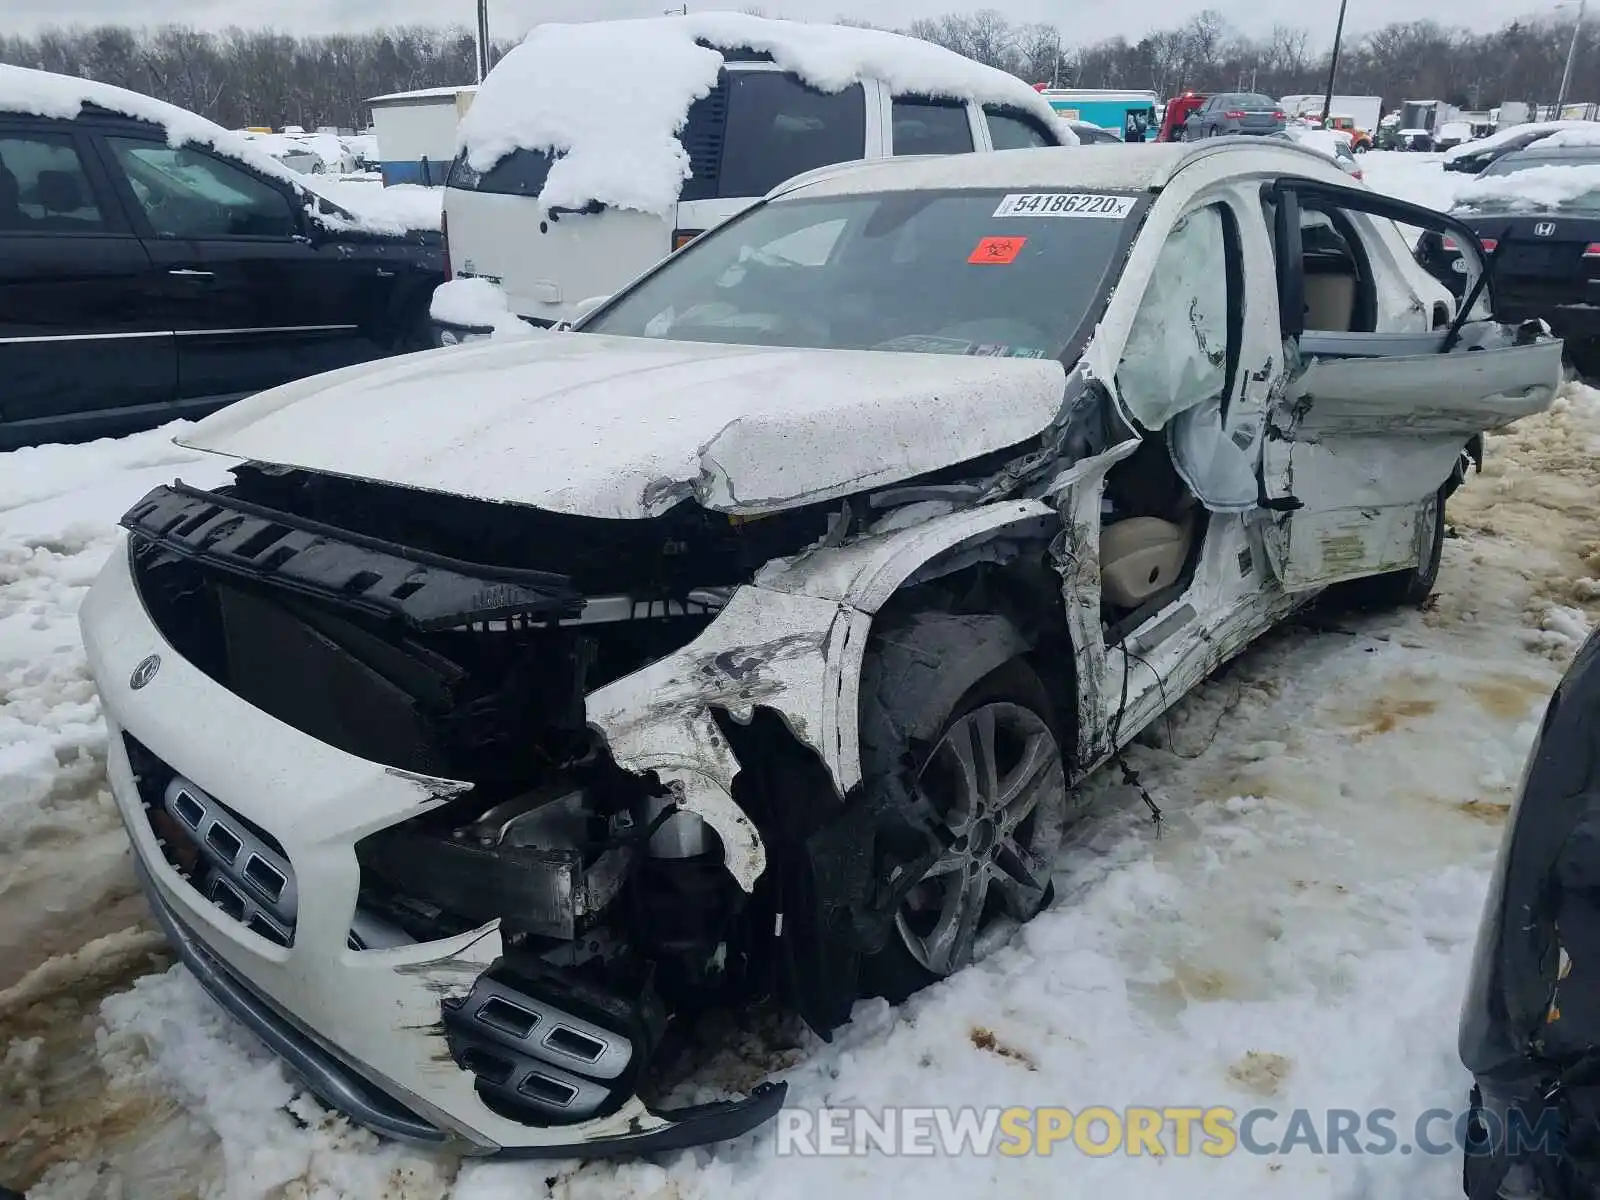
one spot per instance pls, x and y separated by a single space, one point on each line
1141 556
1330 302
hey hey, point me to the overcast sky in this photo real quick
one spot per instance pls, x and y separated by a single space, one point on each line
1082 20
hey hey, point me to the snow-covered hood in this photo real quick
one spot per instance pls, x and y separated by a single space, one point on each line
627 427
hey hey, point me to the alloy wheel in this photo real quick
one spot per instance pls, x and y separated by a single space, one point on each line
997 783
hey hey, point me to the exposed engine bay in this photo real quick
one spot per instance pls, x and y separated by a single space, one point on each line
615 906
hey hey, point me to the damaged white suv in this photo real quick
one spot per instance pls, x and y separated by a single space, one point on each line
518 699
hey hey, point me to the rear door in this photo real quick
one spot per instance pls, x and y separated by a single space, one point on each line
761 126
1377 403
244 287
931 125
1013 129
80 335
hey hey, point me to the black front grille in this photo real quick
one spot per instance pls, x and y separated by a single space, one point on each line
414 663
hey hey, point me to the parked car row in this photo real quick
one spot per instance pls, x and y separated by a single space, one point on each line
244 279
1544 241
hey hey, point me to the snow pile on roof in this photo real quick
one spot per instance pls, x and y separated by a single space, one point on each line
1532 189
610 96
45 94
1325 141
1512 132
1585 133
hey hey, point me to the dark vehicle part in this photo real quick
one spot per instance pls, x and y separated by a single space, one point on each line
146 281
553 1047
1530 1026
926 682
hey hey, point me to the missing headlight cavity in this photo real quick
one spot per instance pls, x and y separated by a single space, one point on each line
438 635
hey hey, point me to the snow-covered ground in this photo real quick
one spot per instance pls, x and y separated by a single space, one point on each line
1297 937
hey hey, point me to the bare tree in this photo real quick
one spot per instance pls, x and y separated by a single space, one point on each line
270 77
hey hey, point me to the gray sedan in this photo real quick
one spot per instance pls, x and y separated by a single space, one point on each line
1234 112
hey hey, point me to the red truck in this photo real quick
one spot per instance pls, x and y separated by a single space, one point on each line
1177 112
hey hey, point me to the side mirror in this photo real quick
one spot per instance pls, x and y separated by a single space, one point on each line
583 308
312 231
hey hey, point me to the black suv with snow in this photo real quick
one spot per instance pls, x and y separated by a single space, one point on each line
142 281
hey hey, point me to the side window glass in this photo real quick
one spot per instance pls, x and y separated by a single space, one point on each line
1177 350
1014 131
186 193
926 126
43 187
777 128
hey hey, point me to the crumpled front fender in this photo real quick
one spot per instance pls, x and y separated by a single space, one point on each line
793 643
765 648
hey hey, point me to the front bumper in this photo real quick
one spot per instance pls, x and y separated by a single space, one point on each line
342 1085
362 1027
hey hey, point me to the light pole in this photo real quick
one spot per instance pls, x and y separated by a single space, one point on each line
483 39
1572 52
1333 66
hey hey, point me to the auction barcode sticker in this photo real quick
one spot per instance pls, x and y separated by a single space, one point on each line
1064 204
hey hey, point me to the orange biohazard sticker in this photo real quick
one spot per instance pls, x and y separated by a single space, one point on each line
997 250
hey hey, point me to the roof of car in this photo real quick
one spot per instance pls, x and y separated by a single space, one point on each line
1120 168
1539 152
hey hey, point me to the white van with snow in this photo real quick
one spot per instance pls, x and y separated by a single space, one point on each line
592 150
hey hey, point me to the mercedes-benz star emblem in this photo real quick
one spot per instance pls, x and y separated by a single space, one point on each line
1544 229
145 671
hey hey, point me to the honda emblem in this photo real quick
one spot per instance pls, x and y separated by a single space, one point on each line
1544 229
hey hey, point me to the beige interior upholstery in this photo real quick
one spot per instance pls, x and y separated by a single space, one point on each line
1330 302
1141 556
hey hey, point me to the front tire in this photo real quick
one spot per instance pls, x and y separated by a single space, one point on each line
991 769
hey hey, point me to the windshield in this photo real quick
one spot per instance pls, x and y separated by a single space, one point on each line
1018 274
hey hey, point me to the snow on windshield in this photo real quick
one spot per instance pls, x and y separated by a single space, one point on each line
45 94
609 97
1533 187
